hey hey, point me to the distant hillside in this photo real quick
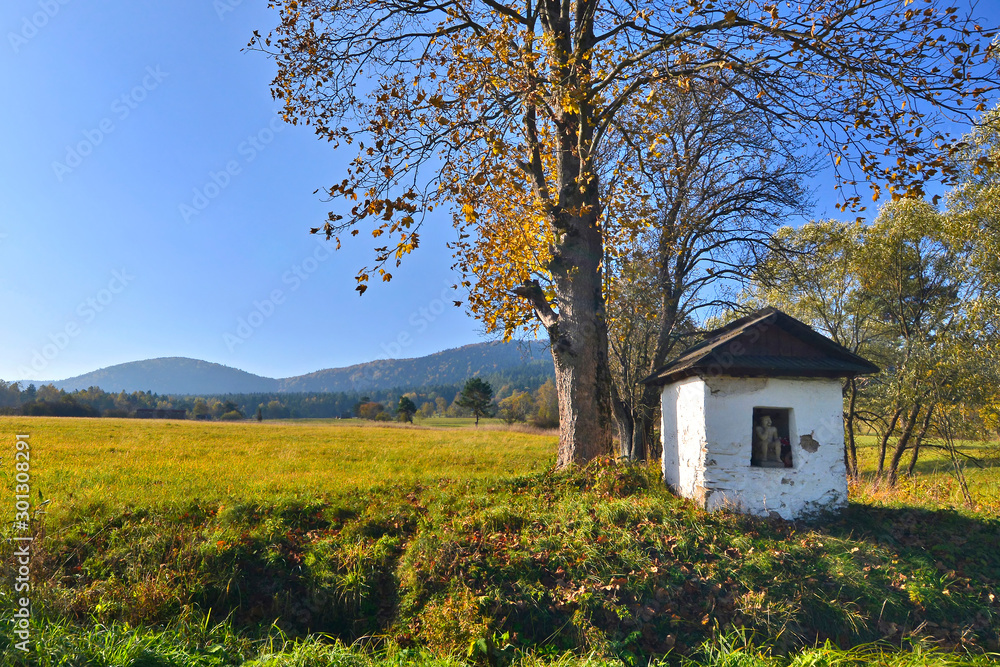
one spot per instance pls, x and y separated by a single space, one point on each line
521 363
442 368
171 375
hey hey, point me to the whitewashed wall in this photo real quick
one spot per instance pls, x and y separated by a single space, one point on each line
707 429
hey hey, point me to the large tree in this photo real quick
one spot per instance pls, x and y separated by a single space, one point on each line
720 181
974 213
500 110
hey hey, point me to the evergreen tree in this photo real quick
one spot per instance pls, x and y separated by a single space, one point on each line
477 395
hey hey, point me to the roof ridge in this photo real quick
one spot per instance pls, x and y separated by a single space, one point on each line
694 358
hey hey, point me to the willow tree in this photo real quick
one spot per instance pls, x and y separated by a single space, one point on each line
497 111
974 208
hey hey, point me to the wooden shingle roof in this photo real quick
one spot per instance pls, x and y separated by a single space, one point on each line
767 343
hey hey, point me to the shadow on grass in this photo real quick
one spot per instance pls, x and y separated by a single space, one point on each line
943 539
938 570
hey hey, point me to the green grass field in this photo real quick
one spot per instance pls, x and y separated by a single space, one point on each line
128 462
340 542
934 485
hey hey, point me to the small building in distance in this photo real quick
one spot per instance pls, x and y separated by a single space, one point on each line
752 418
155 413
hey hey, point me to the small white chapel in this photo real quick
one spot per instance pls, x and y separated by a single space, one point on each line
752 418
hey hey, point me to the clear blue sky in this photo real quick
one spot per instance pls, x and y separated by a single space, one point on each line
117 115
114 114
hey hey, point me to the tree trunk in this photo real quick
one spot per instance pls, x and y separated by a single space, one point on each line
902 443
624 424
649 399
884 444
851 453
640 441
645 419
919 439
654 445
583 384
578 333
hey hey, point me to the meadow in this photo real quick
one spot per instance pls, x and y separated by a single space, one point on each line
934 484
86 463
349 543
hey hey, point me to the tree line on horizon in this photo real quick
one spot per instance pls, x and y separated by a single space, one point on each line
476 399
47 400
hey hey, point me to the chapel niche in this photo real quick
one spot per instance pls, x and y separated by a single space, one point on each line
771 438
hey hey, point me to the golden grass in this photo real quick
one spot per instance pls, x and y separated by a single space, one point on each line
933 484
128 462
120 462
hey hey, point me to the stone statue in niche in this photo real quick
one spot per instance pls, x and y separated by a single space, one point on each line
768 444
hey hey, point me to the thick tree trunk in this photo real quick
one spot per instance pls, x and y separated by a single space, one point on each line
579 331
583 382
578 334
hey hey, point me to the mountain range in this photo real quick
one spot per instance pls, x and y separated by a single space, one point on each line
183 376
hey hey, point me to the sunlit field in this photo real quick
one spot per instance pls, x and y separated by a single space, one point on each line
342 542
118 462
934 484
147 462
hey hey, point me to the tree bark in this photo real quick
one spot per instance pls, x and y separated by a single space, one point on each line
580 348
579 336
904 440
919 439
851 453
645 419
579 331
624 424
884 443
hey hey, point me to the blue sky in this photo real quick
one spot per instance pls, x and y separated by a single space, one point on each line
152 205
117 114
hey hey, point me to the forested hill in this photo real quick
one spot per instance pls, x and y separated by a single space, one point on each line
520 363
449 367
171 375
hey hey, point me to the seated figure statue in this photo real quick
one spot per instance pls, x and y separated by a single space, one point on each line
767 441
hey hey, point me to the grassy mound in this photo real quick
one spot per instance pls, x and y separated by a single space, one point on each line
601 561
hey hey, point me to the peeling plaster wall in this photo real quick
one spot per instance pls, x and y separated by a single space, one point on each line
707 430
683 408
